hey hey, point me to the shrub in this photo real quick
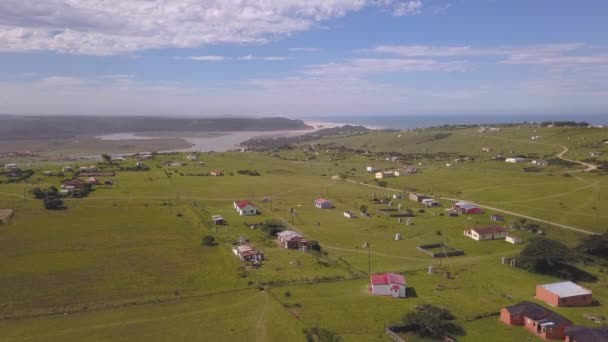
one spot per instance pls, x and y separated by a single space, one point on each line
208 240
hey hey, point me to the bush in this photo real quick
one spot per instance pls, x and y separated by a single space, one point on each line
53 203
315 246
208 240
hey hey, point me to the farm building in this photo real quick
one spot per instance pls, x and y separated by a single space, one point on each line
245 208
564 293
218 219
5 215
247 252
408 170
417 197
73 184
349 214
388 284
540 162
192 157
486 233
429 202
11 166
595 154
486 149
515 160
322 203
398 196
292 240
577 333
372 169
513 239
542 322
385 174
496 218
84 169
92 181
467 208
216 173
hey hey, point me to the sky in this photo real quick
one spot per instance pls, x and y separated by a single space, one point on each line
301 59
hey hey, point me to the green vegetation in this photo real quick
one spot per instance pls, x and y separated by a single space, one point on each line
133 261
432 321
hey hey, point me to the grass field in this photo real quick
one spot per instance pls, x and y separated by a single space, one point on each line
126 263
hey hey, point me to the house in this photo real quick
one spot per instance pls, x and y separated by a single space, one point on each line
73 184
192 157
384 174
92 181
513 239
216 173
398 196
595 154
140 164
292 240
245 208
564 293
515 160
372 169
322 203
406 171
247 252
388 284
108 182
176 164
68 169
496 218
536 137
540 162
429 202
47 173
578 333
84 169
218 220
349 214
467 208
11 166
146 156
486 233
92 168
486 149
417 197
542 322
448 165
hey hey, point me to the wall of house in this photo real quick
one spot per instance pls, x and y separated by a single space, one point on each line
507 318
382 290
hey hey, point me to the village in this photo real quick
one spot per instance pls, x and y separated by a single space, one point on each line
300 230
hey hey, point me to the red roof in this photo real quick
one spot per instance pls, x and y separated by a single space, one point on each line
321 200
489 230
387 278
243 204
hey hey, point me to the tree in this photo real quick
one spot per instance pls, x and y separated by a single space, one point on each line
543 254
53 203
432 321
595 245
208 240
315 246
106 158
321 335
363 209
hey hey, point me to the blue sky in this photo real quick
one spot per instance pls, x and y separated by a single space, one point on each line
303 58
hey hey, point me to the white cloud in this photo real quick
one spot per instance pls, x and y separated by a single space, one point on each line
456 51
207 58
366 66
117 26
304 49
404 8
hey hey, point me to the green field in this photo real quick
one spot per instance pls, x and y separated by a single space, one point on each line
126 263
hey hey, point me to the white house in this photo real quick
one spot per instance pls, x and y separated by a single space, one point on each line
192 157
486 233
349 214
372 169
513 239
388 284
486 149
540 162
429 202
385 174
515 160
323 203
245 208
10 166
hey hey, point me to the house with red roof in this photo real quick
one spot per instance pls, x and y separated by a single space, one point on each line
245 208
92 181
486 233
322 203
467 208
388 284
74 184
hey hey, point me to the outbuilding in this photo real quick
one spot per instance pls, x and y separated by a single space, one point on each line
564 293
467 208
323 203
388 284
245 208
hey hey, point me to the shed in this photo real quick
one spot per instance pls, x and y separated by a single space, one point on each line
495 217
323 203
564 293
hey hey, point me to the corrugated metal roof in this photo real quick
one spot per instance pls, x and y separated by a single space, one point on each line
566 289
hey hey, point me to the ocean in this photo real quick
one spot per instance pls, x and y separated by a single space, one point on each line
419 121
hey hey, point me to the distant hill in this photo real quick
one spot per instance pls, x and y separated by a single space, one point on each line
48 127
